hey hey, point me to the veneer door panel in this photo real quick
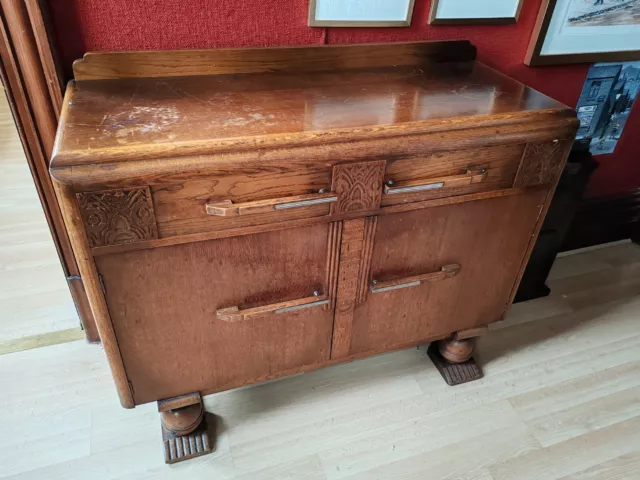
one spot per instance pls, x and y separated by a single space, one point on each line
172 309
412 299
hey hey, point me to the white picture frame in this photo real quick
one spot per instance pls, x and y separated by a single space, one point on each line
469 12
360 13
584 31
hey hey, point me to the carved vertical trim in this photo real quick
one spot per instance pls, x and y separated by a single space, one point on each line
113 217
541 163
333 259
351 249
365 260
358 185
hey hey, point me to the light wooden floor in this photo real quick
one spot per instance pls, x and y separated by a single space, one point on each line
560 400
34 298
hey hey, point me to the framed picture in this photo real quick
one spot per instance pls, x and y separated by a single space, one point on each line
465 12
585 31
360 13
606 100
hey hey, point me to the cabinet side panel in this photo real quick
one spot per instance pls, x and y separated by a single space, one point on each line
87 266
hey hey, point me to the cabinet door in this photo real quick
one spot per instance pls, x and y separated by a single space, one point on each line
481 244
216 314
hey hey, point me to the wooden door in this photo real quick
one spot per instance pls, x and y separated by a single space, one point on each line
173 309
481 245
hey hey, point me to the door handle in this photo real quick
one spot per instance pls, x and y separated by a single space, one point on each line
447 271
226 208
470 176
236 314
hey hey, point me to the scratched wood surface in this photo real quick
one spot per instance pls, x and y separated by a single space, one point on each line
559 400
164 116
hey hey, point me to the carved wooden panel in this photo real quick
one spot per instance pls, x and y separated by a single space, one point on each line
541 163
359 186
114 217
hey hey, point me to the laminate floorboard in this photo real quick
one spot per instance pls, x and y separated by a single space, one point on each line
560 400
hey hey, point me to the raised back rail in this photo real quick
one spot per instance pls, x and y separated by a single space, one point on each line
177 63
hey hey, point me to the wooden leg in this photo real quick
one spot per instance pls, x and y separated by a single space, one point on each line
184 428
453 359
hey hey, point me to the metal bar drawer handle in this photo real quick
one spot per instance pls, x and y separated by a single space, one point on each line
226 208
446 271
234 314
470 176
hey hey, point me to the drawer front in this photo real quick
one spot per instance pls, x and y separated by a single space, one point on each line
223 201
233 199
445 174
438 270
216 314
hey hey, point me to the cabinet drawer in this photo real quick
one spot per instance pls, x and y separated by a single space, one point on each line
232 200
221 313
438 270
446 174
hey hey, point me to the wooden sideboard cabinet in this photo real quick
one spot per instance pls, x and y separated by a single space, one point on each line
240 215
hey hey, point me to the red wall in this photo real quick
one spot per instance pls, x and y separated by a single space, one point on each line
90 25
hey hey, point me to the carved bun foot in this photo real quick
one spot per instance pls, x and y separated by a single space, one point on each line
184 428
453 359
456 351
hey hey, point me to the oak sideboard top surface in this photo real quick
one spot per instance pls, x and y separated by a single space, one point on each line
133 119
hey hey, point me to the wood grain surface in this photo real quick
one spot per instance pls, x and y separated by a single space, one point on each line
267 226
95 293
139 165
501 164
181 204
224 61
133 119
472 235
351 253
25 42
170 339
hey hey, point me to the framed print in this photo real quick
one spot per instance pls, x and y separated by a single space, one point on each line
465 12
360 13
585 31
606 100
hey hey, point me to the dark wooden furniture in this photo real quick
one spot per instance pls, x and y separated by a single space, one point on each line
242 215
566 201
32 84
